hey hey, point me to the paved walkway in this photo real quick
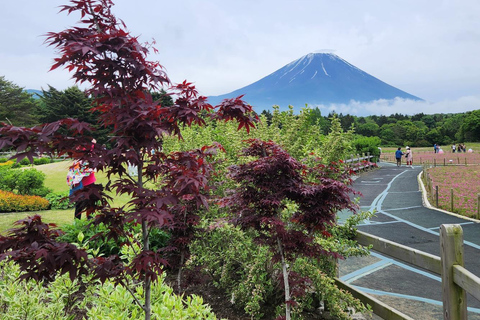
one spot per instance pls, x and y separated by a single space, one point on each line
394 193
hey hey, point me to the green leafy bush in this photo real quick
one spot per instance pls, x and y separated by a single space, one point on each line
64 299
30 181
158 238
59 200
244 270
24 182
40 161
25 162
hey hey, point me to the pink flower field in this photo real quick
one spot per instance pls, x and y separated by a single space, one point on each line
465 181
439 159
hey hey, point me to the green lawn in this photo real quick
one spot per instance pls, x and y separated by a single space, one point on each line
55 179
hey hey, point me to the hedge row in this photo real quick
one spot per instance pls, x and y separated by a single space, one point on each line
10 201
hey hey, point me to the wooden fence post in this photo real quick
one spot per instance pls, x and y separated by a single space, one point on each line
478 206
451 248
436 196
451 199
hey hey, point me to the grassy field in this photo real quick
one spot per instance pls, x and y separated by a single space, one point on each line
56 180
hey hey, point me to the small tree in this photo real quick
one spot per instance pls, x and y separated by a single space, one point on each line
103 54
270 182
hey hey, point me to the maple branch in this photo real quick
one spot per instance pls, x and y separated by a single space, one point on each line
99 30
139 303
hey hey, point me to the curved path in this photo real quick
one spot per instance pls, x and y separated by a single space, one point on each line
394 193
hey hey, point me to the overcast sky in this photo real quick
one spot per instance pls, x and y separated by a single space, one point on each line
428 48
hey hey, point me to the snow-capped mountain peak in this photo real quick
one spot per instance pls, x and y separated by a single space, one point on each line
316 78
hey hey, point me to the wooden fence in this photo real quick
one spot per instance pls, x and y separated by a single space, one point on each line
361 162
456 280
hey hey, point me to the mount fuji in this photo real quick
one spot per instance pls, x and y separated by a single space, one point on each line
315 79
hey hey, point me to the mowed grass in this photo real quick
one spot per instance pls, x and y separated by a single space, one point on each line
55 179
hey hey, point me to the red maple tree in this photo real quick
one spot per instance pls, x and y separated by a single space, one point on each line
102 53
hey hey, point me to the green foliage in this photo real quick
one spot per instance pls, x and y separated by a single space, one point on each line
244 270
367 145
30 182
158 238
238 265
470 129
64 299
337 145
24 182
59 200
16 105
40 161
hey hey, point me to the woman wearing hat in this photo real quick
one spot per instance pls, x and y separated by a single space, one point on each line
409 156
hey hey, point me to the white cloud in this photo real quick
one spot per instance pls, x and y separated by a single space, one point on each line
403 106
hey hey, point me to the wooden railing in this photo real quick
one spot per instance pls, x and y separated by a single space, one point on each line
360 162
456 280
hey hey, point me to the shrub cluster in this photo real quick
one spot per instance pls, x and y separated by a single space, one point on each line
24 182
158 238
59 200
10 201
63 300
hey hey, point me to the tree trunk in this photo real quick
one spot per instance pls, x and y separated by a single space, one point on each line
179 274
146 246
147 286
285 280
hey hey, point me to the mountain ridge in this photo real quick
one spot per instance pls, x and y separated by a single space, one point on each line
315 79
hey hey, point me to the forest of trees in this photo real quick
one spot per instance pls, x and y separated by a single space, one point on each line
420 130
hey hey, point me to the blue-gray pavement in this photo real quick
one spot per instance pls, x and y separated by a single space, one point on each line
396 197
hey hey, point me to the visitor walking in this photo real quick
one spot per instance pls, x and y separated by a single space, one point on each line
398 156
409 156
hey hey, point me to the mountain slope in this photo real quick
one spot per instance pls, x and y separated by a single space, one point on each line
316 78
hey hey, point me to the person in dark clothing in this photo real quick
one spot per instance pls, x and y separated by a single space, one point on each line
398 156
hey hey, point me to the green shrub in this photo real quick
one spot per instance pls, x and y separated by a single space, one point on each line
3 160
29 180
16 165
66 299
158 238
40 161
25 182
25 162
59 200
244 270
8 178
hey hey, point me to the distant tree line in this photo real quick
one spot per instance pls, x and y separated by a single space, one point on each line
19 108
420 130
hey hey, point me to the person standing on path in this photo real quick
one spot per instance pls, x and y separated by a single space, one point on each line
80 175
398 156
409 156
